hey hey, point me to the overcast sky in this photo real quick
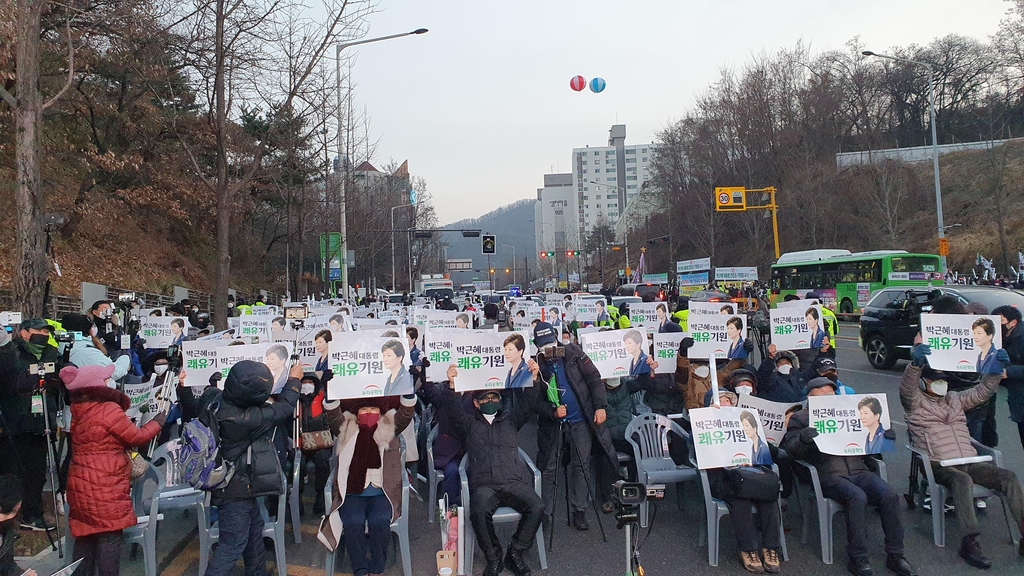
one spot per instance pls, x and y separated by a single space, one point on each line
481 105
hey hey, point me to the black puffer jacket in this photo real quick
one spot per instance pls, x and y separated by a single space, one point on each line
247 420
17 386
827 464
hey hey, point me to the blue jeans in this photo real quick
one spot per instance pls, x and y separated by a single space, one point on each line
241 535
357 514
856 492
451 485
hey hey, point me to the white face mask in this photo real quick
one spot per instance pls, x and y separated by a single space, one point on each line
160 369
307 389
744 390
702 371
785 369
231 304
613 382
939 387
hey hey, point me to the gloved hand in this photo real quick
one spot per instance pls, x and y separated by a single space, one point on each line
890 434
748 345
919 355
1003 358
215 378
807 435
161 418
144 409
424 362
684 345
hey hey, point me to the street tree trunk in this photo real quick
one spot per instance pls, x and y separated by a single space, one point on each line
223 191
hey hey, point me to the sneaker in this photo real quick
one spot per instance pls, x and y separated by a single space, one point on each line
771 561
752 562
980 504
514 561
860 566
60 504
35 525
899 565
579 520
970 550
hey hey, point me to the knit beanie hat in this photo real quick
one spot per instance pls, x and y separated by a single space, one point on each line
75 378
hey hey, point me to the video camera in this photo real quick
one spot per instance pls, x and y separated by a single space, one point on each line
628 496
173 358
9 320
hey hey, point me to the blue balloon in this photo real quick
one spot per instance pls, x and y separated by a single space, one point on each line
597 85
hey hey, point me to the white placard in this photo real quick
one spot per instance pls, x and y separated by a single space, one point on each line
798 327
367 366
736 274
552 315
718 335
712 308
586 311
162 331
274 355
773 415
139 395
957 340
646 315
479 357
851 425
254 329
222 336
608 352
696 265
263 311
304 345
149 311
666 348
199 360
724 437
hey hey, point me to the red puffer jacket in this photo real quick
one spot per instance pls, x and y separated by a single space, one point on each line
99 492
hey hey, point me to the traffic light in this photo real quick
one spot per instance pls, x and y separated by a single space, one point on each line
551 254
487 244
571 253
543 254
507 270
492 270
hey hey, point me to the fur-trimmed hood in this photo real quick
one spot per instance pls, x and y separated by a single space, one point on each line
104 394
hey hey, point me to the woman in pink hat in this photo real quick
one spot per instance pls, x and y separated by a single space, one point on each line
98 487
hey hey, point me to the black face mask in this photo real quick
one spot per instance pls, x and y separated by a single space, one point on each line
39 339
1006 330
8 524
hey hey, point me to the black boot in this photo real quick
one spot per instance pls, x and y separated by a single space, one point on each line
970 550
898 564
859 566
515 562
494 567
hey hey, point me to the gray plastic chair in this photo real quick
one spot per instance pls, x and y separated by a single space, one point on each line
294 495
827 508
434 477
716 509
273 528
399 527
648 435
640 402
503 515
939 493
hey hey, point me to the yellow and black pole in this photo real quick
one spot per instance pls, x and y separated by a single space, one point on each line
734 199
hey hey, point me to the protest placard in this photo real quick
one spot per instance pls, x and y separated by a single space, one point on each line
736 274
586 311
666 347
717 334
367 366
712 308
649 315
798 327
304 345
254 329
263 311
140 395
480 358
696 265
158 311
224 335
728 436
608 352
199 360
851 425
958 341
692 279
162 331
552 315
773 415
274 355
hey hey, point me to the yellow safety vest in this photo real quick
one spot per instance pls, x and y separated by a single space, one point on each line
831 325
684 319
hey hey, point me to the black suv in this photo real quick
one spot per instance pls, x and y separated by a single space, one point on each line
892 318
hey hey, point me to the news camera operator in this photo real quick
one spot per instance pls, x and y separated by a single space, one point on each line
88 349
576 403
22 407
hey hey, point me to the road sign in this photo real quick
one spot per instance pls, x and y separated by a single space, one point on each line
729 199
457 264
487 244
943 246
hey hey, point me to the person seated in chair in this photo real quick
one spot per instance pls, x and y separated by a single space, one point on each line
851 481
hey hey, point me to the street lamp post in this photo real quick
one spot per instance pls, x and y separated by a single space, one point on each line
343 257
394 279
935 142
513 261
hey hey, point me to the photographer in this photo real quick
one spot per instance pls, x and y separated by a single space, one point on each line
576 407
22 406
88 350
101 314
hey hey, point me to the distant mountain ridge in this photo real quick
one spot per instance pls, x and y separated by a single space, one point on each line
512 224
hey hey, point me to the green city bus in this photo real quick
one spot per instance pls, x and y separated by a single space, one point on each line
846 280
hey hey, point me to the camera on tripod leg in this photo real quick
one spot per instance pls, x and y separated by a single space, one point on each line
628 496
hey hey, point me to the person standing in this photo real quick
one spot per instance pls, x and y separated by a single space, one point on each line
1013 343
99 488
247 424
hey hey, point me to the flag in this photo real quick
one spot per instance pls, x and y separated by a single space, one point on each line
1020 261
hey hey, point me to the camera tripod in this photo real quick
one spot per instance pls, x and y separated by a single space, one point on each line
563 439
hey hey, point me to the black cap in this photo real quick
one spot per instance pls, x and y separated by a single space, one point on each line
544 334
824 364
1008 312
480 394
35 324
820 382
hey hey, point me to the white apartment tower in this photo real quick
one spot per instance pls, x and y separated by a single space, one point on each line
606 178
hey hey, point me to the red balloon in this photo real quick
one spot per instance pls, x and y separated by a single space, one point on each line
578 83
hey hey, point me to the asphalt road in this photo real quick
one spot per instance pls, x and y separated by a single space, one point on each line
671 546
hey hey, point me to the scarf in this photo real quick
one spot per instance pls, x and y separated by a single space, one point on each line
366 457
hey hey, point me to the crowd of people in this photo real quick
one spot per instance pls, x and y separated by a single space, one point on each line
581 421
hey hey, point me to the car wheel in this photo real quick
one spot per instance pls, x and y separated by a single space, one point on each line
846 307
880 354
